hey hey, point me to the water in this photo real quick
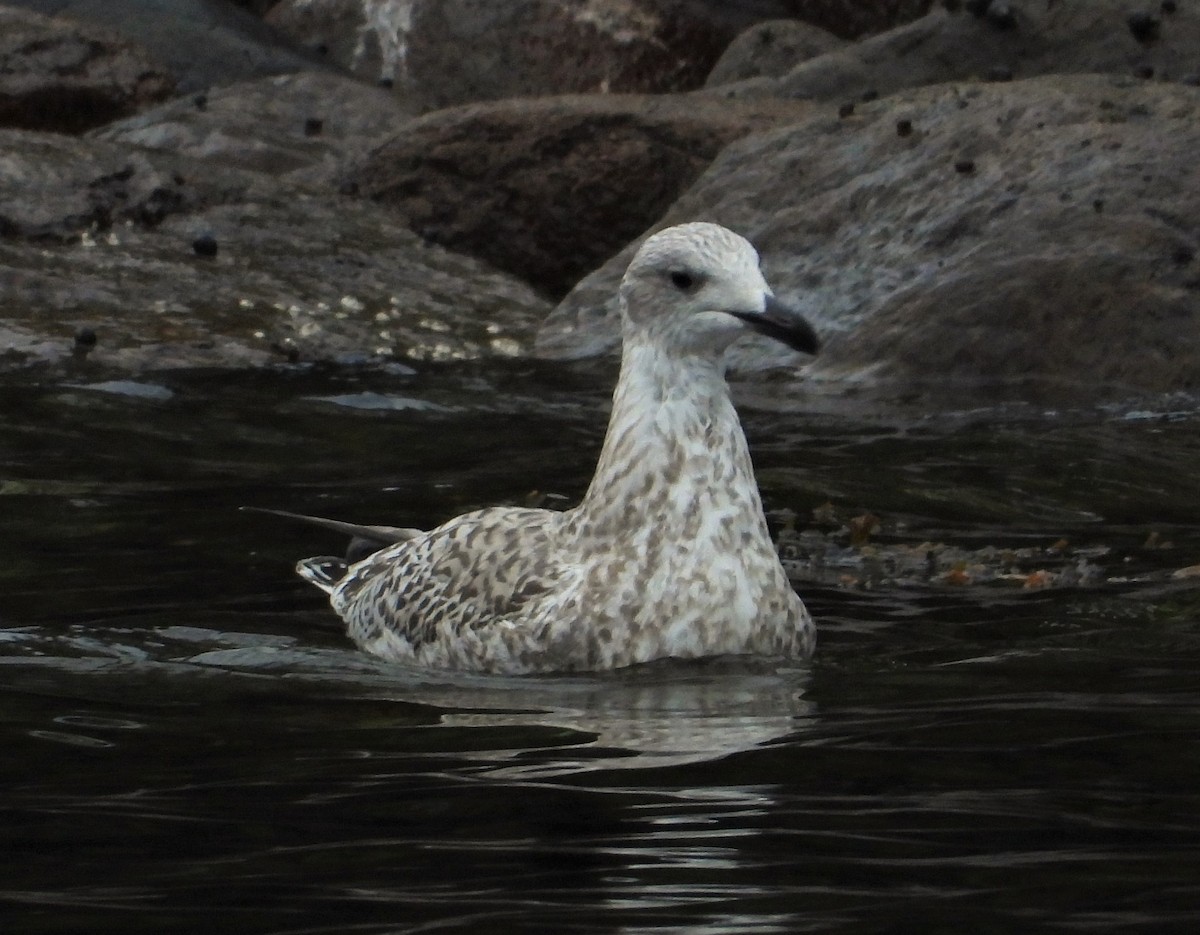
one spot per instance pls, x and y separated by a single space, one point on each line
190 745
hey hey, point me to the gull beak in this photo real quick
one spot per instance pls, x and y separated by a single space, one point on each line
784 324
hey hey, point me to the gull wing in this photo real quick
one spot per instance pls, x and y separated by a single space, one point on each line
441 592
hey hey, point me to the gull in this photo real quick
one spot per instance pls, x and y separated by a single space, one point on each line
667 555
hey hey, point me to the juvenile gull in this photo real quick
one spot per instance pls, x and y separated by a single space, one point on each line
668 554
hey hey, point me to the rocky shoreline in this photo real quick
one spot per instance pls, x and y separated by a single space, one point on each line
976 203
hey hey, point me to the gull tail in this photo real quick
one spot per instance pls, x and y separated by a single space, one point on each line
364 540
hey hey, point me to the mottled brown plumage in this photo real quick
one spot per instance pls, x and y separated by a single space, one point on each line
668 554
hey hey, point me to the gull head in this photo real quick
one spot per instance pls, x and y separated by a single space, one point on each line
696 288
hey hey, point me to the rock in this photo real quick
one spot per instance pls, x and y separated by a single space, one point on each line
771 49
1144 26
201 42
548 188
102 237
268 124
68 77
369 38
449 52
49 203
540 47
205 245
537 47
1069 36
1061 270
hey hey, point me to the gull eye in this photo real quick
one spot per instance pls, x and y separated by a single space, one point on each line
682 281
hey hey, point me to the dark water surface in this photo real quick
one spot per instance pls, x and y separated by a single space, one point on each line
188 745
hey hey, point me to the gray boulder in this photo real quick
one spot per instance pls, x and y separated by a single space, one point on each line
67 77
119 258
303 124
461 51
201 42
1033 240
1035 38
450 52
369 38
548 188
770 50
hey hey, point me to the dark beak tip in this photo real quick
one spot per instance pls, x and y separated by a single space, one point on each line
785 325
814 344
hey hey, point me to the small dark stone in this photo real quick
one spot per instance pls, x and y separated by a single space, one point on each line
321 49
999 73
846 110
348 187
1143 71
287 349
85 339
1169 6
313 126
205 245
178 179
201 101
1000 15
386 82
964 166
870 95
1098 205
904 127
1183 255
1143 25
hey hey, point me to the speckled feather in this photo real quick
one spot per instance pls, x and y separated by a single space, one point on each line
668 554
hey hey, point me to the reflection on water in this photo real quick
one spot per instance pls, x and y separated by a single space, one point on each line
657 715
189 743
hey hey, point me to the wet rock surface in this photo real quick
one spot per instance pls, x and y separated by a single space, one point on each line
138 260
990 203
535 47
68 77
1073 233
549 188
305 124
1030 39
549 47
771 50
368 39
202 42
